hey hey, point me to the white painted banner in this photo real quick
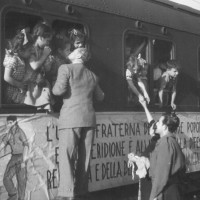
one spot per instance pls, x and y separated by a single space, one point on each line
116 135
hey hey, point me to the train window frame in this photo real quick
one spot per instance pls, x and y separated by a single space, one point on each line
153 104
198 63
198 71
15 108
149 59
136 33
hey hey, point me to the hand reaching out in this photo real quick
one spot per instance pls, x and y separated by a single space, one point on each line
143 102
146 96
141 98
173 106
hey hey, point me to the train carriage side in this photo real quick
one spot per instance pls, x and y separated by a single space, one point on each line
114 30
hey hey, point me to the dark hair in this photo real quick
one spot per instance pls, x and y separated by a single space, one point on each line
42 29
172 121
17 43
12 118
59 42
76 34
172 64
134 62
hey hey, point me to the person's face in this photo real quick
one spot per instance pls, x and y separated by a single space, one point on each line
74 55
135 69
44 41
173 72
78 44
160 126
10 123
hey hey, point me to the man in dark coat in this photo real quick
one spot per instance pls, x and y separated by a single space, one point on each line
167 162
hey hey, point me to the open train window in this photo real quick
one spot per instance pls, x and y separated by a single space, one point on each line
64 29
163 51
14 22
135 51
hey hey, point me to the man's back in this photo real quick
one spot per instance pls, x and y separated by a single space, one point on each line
77 84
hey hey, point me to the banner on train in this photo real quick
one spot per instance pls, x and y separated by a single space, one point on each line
116 135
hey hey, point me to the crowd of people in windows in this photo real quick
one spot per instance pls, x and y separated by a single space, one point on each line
164 80
32 59
31 63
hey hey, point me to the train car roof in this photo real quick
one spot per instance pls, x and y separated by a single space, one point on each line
162 12
191 5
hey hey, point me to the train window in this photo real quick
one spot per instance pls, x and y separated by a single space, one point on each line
12 23
162 52
136 52
65 36
70 31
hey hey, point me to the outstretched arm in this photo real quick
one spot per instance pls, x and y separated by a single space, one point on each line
147 112
173 99
160 94
135 90
150 119
142 86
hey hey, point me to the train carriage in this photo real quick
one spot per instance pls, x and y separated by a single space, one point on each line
161 31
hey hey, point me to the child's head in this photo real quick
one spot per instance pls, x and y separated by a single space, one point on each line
171 120
79 54
11 120
77 38
61 45
134 64
42 34
172 68
22 44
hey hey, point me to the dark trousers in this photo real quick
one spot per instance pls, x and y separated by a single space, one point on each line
14 168
74 155
171 192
